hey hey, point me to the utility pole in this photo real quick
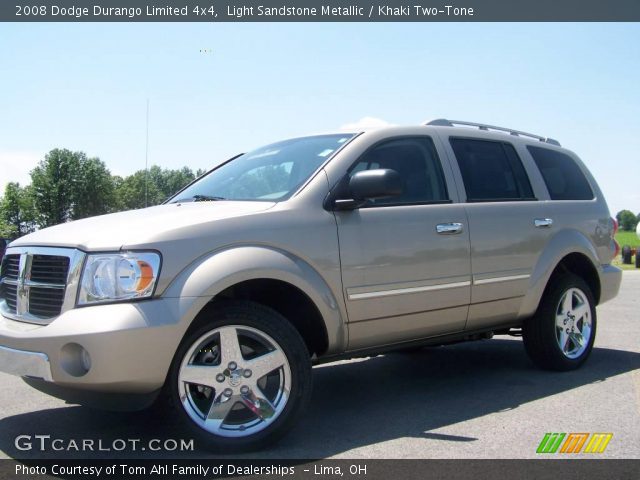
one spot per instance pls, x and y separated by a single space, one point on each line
146 162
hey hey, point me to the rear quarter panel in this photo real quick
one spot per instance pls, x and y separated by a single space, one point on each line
579 226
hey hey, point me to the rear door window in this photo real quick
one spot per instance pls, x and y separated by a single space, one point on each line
561 174
491 171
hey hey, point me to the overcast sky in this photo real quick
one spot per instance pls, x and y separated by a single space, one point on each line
219 89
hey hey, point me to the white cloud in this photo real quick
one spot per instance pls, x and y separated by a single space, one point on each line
365 123
16 165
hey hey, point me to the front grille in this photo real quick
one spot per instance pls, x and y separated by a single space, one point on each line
37 292
45 302
49 269
10 266
10 293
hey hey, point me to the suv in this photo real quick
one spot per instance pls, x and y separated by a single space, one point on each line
218 302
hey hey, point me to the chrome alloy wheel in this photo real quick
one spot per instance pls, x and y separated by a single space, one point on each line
573 323
234 381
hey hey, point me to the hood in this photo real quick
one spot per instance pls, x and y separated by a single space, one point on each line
139 227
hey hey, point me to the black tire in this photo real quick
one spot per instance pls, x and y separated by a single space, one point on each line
638 257
542 337
267 322
626 255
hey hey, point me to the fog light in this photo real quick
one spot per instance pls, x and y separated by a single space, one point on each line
75 360
85 359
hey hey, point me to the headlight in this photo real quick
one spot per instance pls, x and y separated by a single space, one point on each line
112 277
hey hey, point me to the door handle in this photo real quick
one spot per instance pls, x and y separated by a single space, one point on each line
449 228
543 222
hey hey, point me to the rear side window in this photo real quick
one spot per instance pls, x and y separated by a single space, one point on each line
563 177
491 171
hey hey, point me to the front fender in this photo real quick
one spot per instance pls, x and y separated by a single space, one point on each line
211 274
563 243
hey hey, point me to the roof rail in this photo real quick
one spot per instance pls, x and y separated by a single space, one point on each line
443 122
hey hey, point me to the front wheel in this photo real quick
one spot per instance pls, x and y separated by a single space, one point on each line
240 381
560 335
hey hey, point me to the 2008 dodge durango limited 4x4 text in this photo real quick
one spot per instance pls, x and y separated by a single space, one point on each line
218 302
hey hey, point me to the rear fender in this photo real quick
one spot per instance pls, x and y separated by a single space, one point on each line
559 246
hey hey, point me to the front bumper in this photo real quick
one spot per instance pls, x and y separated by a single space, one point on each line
25 364
124 348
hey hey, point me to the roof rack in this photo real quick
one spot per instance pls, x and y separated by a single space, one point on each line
443 122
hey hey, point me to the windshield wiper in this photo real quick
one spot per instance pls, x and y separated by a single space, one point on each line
201 198
207 198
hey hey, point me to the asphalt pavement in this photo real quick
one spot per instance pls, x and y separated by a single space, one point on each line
474 400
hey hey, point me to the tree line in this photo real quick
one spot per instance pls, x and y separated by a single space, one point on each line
68 185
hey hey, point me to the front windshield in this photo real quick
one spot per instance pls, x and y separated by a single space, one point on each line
270 173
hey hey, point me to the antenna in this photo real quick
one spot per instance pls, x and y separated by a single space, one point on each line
146 161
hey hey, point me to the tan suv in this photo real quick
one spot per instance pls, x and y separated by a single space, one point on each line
305 251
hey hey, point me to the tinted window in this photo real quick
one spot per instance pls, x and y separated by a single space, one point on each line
491 171
417 162
564 179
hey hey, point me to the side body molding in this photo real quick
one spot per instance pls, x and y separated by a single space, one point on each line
563 243
209 275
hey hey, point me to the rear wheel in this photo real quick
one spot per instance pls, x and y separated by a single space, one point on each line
560 335
240 381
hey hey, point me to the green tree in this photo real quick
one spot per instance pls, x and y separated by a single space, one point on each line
167 182
17 214
53 184
130 192
150 188
67 185
6 230
94 189
627 220
174 180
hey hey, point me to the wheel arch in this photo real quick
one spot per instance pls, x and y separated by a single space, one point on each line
286 299
568 251
271 277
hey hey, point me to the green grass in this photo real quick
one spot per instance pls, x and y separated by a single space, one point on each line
627 238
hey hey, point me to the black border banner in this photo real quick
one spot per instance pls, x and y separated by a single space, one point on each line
357 469
320 11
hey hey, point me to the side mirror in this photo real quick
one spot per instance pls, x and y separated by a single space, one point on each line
374 184
370 185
